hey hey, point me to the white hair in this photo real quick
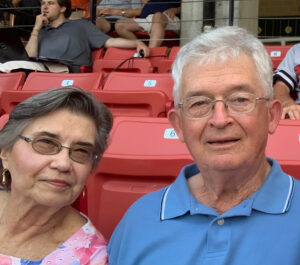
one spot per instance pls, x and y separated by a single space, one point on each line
219 45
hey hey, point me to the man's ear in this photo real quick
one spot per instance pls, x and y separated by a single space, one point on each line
175 120
275 110
63 9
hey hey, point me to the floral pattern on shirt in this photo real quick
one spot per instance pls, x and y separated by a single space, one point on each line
86 247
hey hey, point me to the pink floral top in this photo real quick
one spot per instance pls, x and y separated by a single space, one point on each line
86 247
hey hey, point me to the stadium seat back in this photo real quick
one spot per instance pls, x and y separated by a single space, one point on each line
140 81
165 65
144 155
39 81
11 81
284 146
277 53
135 103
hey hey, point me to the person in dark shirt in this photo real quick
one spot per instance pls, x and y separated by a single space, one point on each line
156 17
56 36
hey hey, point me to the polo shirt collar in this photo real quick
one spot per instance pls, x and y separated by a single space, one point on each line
273 197
275 194
176 199
64 22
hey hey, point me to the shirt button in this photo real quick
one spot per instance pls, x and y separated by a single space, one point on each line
221 221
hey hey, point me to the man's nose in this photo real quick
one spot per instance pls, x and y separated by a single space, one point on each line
220 116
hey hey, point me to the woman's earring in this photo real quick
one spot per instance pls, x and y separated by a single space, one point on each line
83 192
4 180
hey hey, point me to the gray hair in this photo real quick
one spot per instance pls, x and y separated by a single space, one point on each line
219 45
71 98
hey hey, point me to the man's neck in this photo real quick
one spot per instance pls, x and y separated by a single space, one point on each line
57 22
222 191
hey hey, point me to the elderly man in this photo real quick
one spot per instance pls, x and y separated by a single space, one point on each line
55 36
233 206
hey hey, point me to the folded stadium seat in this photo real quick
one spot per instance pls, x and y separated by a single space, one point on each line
11 81
96 54
151 82
139 81
165 65
157 55
144 155
284 146
124 60
277 53
135 103
38 81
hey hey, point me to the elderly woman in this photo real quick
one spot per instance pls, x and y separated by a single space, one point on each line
49 146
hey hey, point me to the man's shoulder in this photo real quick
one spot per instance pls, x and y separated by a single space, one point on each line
148 204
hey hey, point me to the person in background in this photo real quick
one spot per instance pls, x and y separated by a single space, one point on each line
49 146
286 84
55 36
156 17
234 205
109 11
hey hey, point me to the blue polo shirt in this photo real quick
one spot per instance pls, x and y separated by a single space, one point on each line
170 227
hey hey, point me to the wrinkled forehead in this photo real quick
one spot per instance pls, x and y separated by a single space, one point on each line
230 74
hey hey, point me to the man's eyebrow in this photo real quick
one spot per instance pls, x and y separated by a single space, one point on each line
207 93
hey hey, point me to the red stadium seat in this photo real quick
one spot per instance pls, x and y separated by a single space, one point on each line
130 103
155 56
138 82
3 119
40 81
125 60
11 81
166 64
277 53
37 82
135 103
144 155
96 54
284 146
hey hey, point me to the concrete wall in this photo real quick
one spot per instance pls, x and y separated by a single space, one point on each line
245 15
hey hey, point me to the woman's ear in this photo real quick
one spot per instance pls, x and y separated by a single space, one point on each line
4 159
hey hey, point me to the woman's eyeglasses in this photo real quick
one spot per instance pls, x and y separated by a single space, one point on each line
48 146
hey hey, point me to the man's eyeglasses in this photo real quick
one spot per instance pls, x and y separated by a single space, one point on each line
236 103
48 146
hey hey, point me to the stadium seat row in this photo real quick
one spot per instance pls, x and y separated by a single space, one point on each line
127 94
127 60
